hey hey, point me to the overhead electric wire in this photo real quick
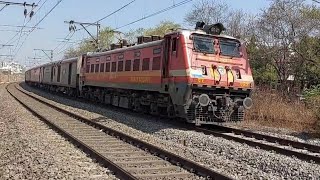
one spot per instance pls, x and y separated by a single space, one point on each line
38 24
124 6
7 25
46 14
64 44
148 16
27 23
156 13
24 25
110 14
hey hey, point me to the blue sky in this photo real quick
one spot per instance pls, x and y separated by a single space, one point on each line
89 11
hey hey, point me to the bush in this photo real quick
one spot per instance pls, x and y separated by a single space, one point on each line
312 99
273 109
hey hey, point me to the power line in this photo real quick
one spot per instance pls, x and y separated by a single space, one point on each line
47 14
39 23
156 13
111 13
94 22
9 30
150 15
26 23
6 25
16 3
62 42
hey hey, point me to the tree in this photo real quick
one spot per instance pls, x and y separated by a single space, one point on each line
106 37
132 35
161 29
237 23
281 28
208 11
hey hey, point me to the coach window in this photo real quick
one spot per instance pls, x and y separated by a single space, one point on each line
92 68
156 63
114 67
102 67
88 69
59 73
136 65
120 66
128 65
108 67
174 44
97 68
146 64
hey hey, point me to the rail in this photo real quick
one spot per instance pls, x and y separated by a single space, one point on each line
184 163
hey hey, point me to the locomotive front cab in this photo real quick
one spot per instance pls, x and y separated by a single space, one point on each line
220 78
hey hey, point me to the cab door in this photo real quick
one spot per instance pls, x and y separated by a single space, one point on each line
170 56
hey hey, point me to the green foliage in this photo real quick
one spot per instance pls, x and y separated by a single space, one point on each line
161 29
312 92
312 96
106 37
263 72
132 35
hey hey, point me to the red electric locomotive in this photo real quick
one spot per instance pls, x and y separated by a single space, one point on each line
198 75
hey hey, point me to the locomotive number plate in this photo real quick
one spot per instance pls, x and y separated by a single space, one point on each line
140 79
244 84
200 81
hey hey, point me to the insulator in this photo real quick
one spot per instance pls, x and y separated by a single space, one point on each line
31 14
25 12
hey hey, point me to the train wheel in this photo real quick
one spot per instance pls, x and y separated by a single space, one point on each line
170 111
136 105
154 109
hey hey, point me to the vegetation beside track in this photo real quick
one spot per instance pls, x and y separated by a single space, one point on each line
275 109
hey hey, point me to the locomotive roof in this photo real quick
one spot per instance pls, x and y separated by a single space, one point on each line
186 32
139 46
56 62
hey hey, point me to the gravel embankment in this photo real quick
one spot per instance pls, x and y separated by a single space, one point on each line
30 150
238 160
281 133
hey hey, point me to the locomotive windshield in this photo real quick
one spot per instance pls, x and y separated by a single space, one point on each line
202 44
229 48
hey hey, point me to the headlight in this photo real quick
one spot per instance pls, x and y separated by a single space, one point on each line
247 103
204 100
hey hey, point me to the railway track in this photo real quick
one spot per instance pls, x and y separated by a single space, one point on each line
126 156
303 151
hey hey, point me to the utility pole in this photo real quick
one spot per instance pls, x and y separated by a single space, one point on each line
72 27
44 51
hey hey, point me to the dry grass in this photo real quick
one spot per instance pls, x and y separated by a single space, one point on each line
272 109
